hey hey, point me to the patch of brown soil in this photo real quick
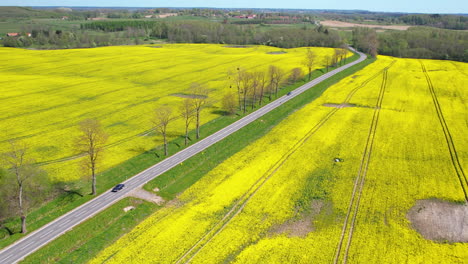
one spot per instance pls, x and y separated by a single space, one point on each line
277 52
440 220
191 96
340 24
236 46
129 208
302 226
339 105
148 196
176 203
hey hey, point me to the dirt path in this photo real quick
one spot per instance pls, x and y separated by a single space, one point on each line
340 24
148 196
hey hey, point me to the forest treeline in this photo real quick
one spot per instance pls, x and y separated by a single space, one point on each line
134 32
457 22
436 20
418 42
220 33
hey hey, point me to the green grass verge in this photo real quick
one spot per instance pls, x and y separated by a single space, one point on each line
90 237
183 176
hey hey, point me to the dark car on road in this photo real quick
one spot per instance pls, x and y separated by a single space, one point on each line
118 187
289 93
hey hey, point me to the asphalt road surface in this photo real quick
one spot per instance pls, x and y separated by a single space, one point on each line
32 242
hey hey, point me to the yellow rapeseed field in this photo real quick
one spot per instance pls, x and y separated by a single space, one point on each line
46 93
284 198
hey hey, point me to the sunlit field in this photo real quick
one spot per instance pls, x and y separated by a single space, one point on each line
333 182
45 94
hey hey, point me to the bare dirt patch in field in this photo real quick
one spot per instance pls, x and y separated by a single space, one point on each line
277 52
148 196
236 46
440 221
302 226
339 105
129 208
340 24
191 96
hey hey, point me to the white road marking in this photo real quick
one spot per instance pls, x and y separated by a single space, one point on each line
27 245
43 235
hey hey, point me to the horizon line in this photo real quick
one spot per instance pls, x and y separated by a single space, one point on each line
252 8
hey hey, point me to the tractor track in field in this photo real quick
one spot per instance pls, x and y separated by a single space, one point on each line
358 185
458 68
240 204
448 136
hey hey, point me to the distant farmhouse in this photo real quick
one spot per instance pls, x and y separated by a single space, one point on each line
164 15
16 34
246 16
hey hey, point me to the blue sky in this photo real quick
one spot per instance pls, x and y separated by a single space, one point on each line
414 6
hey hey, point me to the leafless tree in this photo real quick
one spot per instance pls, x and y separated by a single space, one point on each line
246 84
200 101
373 43
229 103
344 52
236 76
309 61
336 57
25 177
296 74
339 55
261 82
162 118
91 141
329 61
187 112
276 75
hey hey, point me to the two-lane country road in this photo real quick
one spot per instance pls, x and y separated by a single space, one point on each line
32 242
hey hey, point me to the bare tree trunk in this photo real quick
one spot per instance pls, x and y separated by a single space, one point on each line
254 95
276 89
310 73
186 133
23 217
245 100
239 98
23 224
198 123
165 144
93 171
261 95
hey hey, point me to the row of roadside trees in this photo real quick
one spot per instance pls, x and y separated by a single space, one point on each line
24 185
